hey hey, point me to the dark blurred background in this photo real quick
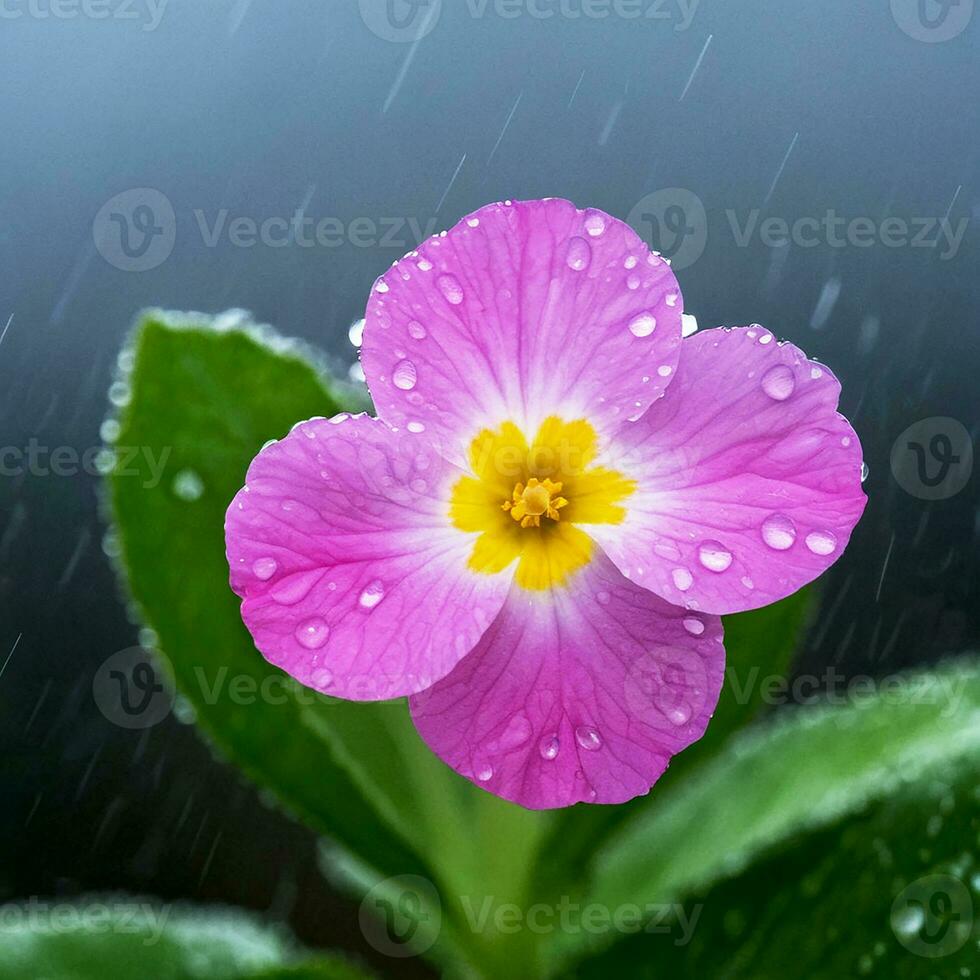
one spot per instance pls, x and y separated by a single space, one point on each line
258 108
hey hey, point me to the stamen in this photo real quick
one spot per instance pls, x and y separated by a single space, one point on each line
538 498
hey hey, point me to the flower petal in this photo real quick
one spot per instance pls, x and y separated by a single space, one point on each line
748 480
578 694
520 312
352 577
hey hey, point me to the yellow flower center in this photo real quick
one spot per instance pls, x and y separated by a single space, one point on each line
528 503
525 501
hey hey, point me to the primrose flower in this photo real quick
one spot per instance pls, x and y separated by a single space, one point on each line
560 496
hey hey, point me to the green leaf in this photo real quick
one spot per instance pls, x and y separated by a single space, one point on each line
759 646
892 890
810 769
121 937
204 401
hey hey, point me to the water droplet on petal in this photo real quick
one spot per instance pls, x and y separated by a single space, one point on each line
665 370
779 382
672 299
579 254
588 738
630 262
694 626
381 286
416 330
548 747
321 679
312 633
595 223
450 288
264 568
372 595
683 579
714 556
864 471
415 427
778 532
484 773
424 265
473 222
679 714
643 324
405 375
821 542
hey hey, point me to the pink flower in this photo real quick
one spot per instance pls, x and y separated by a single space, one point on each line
535 539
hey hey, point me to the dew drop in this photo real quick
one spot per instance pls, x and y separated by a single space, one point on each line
548 747
672 299
579 254
714 556
778 382
821 542
643 324
484 773
321 679
778 532
909 920
473 222
665 370
372 595
864 471
588 738
630 262
312 633
450 288
683 579
381 286
694 626
595 223
264 568
188 486
415 427
633 282
416 330
424 265
680 714
404 376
